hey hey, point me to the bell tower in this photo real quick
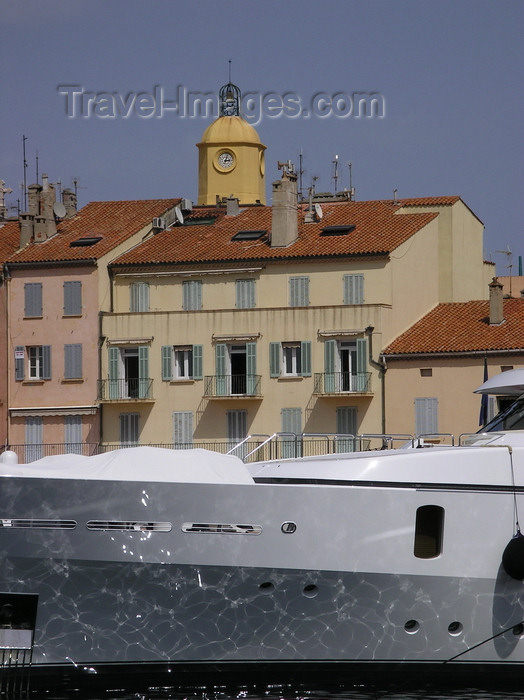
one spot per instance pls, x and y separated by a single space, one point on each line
231 155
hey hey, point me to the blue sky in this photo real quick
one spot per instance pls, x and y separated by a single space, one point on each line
448 74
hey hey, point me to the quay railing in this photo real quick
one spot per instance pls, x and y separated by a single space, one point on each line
252 448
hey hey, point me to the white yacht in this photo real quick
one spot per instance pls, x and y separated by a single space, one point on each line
153 556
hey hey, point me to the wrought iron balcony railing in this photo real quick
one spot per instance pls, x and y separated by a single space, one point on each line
232 385
125 389
342 383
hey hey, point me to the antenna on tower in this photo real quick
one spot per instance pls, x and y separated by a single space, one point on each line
24 139
335 172
351 188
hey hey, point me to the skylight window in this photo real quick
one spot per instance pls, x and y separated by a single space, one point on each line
249 235
337 230
85 241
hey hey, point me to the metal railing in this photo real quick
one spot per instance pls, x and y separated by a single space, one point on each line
232 385
342 383
253 448
124 389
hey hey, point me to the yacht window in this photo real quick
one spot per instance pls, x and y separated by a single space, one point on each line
429 526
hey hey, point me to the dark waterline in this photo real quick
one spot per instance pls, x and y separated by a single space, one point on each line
276 681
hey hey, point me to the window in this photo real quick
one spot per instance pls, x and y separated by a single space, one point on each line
235 367
291 421
353 289
192 295
38 362
429 529
245 294
299 291
237 430
139 296
34 427
73 361
129 429
426 372
182 429
129 373
426 416
345 366
72 298
33 299
346 425
73 434
290 359
181 362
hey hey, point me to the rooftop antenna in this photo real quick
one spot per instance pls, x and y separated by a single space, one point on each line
300 173
229 71
395 200
351 188
36 159
24 139
509 266
335 172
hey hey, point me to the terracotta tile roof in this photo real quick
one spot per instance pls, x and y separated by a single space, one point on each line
429 201
379 229
463 327
113 222
9 239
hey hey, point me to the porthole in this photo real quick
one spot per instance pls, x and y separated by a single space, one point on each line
310 591
429 528
455 628
518 630
267 587
412 627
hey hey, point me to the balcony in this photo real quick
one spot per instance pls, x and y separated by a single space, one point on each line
232 385
131 389
337 383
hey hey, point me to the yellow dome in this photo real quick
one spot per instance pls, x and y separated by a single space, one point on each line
230 130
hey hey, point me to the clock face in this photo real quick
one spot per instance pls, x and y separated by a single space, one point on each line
226 160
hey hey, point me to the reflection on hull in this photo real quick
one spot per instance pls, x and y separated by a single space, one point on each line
117 613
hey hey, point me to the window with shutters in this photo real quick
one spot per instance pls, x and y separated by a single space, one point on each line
346 419
290 359
139 297
192 295
181 362
235 370
245 294
299 291
182 429
426 416
291 424
73 434
236 430
72 298
39 362
129 373
73 361
345 366
354 289
33 299
129 434
34 434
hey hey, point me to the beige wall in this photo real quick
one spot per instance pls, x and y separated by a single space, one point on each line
452 382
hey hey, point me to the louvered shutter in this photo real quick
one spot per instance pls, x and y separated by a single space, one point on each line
354 289
143 372
46 362
330 348
220 367
251 368
19 363
167 363
198 352
305 357
362 364
113 366
274 359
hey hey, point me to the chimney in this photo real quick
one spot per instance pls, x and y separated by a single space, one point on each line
232 208
70 203
33 192
26 228
496 309
284 224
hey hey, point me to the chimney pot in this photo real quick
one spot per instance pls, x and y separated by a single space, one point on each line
496 303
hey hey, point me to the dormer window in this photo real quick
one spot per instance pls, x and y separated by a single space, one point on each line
85 241
249 235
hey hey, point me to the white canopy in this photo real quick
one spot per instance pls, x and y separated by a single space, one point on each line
137 464
510 383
